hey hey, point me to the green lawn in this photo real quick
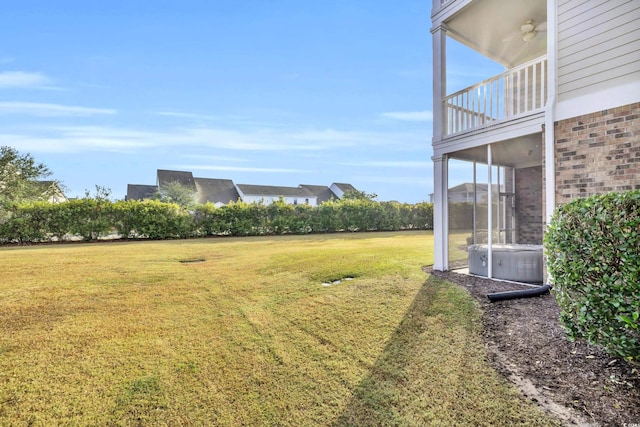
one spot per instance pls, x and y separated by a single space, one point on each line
242 331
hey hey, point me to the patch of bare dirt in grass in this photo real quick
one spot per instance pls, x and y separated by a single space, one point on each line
578 383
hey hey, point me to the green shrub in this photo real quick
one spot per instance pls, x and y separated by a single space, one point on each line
88 218
327 218
152 219
593 251
24 223
419 216
58 219
282 218
94 217
208 220
240 219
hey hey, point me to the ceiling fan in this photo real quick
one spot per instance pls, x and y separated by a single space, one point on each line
529 30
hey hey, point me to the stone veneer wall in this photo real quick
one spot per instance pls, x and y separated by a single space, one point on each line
598 153
529 213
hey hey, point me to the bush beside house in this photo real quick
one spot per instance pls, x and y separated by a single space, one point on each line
593 250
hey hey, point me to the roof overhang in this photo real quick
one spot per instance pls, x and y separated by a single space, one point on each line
493 28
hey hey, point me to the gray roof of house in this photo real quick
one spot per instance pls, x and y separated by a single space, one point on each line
272 191
216 190
182 177
322 192
345 187
140 192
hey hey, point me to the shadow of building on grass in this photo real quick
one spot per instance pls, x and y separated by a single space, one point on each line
403 387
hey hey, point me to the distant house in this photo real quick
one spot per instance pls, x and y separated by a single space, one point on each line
466 192
217 191
169 177
268 194
340 188
322 192
140 192
221 192
53 191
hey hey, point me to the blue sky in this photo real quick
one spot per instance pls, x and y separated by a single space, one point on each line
281 92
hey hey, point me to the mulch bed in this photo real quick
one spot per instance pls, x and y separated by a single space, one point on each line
576 382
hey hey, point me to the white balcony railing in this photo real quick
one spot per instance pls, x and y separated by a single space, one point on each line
439 4
521 90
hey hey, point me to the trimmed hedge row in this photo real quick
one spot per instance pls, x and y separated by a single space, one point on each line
90 219
593 251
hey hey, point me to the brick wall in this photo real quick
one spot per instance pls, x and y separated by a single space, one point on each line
529 206
598 153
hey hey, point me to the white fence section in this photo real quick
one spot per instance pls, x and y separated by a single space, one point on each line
520 90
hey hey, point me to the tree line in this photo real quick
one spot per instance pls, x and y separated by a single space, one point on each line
26 215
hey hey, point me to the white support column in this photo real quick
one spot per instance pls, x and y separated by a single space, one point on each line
440 170
489 215
439 37
440 214
475 202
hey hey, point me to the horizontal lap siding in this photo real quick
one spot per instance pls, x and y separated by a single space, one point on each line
598 45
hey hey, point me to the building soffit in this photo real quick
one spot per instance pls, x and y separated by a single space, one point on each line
493 28
525 151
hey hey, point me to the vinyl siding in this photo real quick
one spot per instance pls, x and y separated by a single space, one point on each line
598 46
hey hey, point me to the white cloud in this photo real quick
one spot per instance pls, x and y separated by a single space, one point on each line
240 169
269 139
77 139
49 110
214 158
392 164
192 116
413 116
21 79
72 142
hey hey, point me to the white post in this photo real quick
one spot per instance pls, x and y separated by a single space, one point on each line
475 202
489 216
440 170
440 214
512 213
499 217
439 36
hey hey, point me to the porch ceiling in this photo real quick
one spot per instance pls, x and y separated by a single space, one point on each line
518 153
492 27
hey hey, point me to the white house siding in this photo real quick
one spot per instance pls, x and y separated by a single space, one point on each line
598 55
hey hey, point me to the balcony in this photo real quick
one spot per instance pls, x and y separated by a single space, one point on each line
520 91
439 4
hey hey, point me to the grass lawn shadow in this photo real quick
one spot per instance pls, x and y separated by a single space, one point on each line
433 371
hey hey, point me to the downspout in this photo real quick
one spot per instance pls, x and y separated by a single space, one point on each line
550 110
549 118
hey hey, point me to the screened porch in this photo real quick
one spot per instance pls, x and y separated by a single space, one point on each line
495 205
